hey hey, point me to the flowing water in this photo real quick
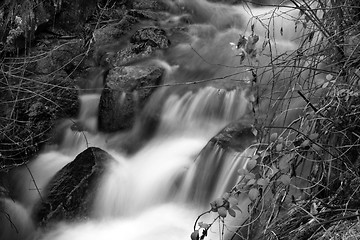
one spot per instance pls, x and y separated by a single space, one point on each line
158 192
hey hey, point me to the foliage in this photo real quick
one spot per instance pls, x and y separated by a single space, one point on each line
303 178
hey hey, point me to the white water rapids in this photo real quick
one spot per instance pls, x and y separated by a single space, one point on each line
151 194
146 195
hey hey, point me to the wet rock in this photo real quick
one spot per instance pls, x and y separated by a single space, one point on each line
71 192
114 37
144 129
132 80
155 5
136 54
235 136
125 94
91 80
147 15
214 157
117 50
150 36
111 39
111 33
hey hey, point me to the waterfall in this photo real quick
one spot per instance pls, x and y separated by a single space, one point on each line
158 192
146 195
207 110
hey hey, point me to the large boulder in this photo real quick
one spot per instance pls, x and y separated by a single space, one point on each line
132 81
125 94
113 47
71 193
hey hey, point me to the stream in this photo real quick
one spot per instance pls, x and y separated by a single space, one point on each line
158 192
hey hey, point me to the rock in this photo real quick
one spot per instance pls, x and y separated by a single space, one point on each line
111 39
113 48
71 192
143 130
217 154
128 88
155 5
145 45
114 37
150 36
125 94
147 15
235 136
111 33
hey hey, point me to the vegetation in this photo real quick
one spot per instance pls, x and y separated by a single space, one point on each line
39 65
303 179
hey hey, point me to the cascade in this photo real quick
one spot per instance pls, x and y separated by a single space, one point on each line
158 192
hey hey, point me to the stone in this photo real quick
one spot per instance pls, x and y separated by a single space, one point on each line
144 129
125 94
143 45
71 192
218 152
155 5
147 15
150 36
112 39
235 136
111 33
132 80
